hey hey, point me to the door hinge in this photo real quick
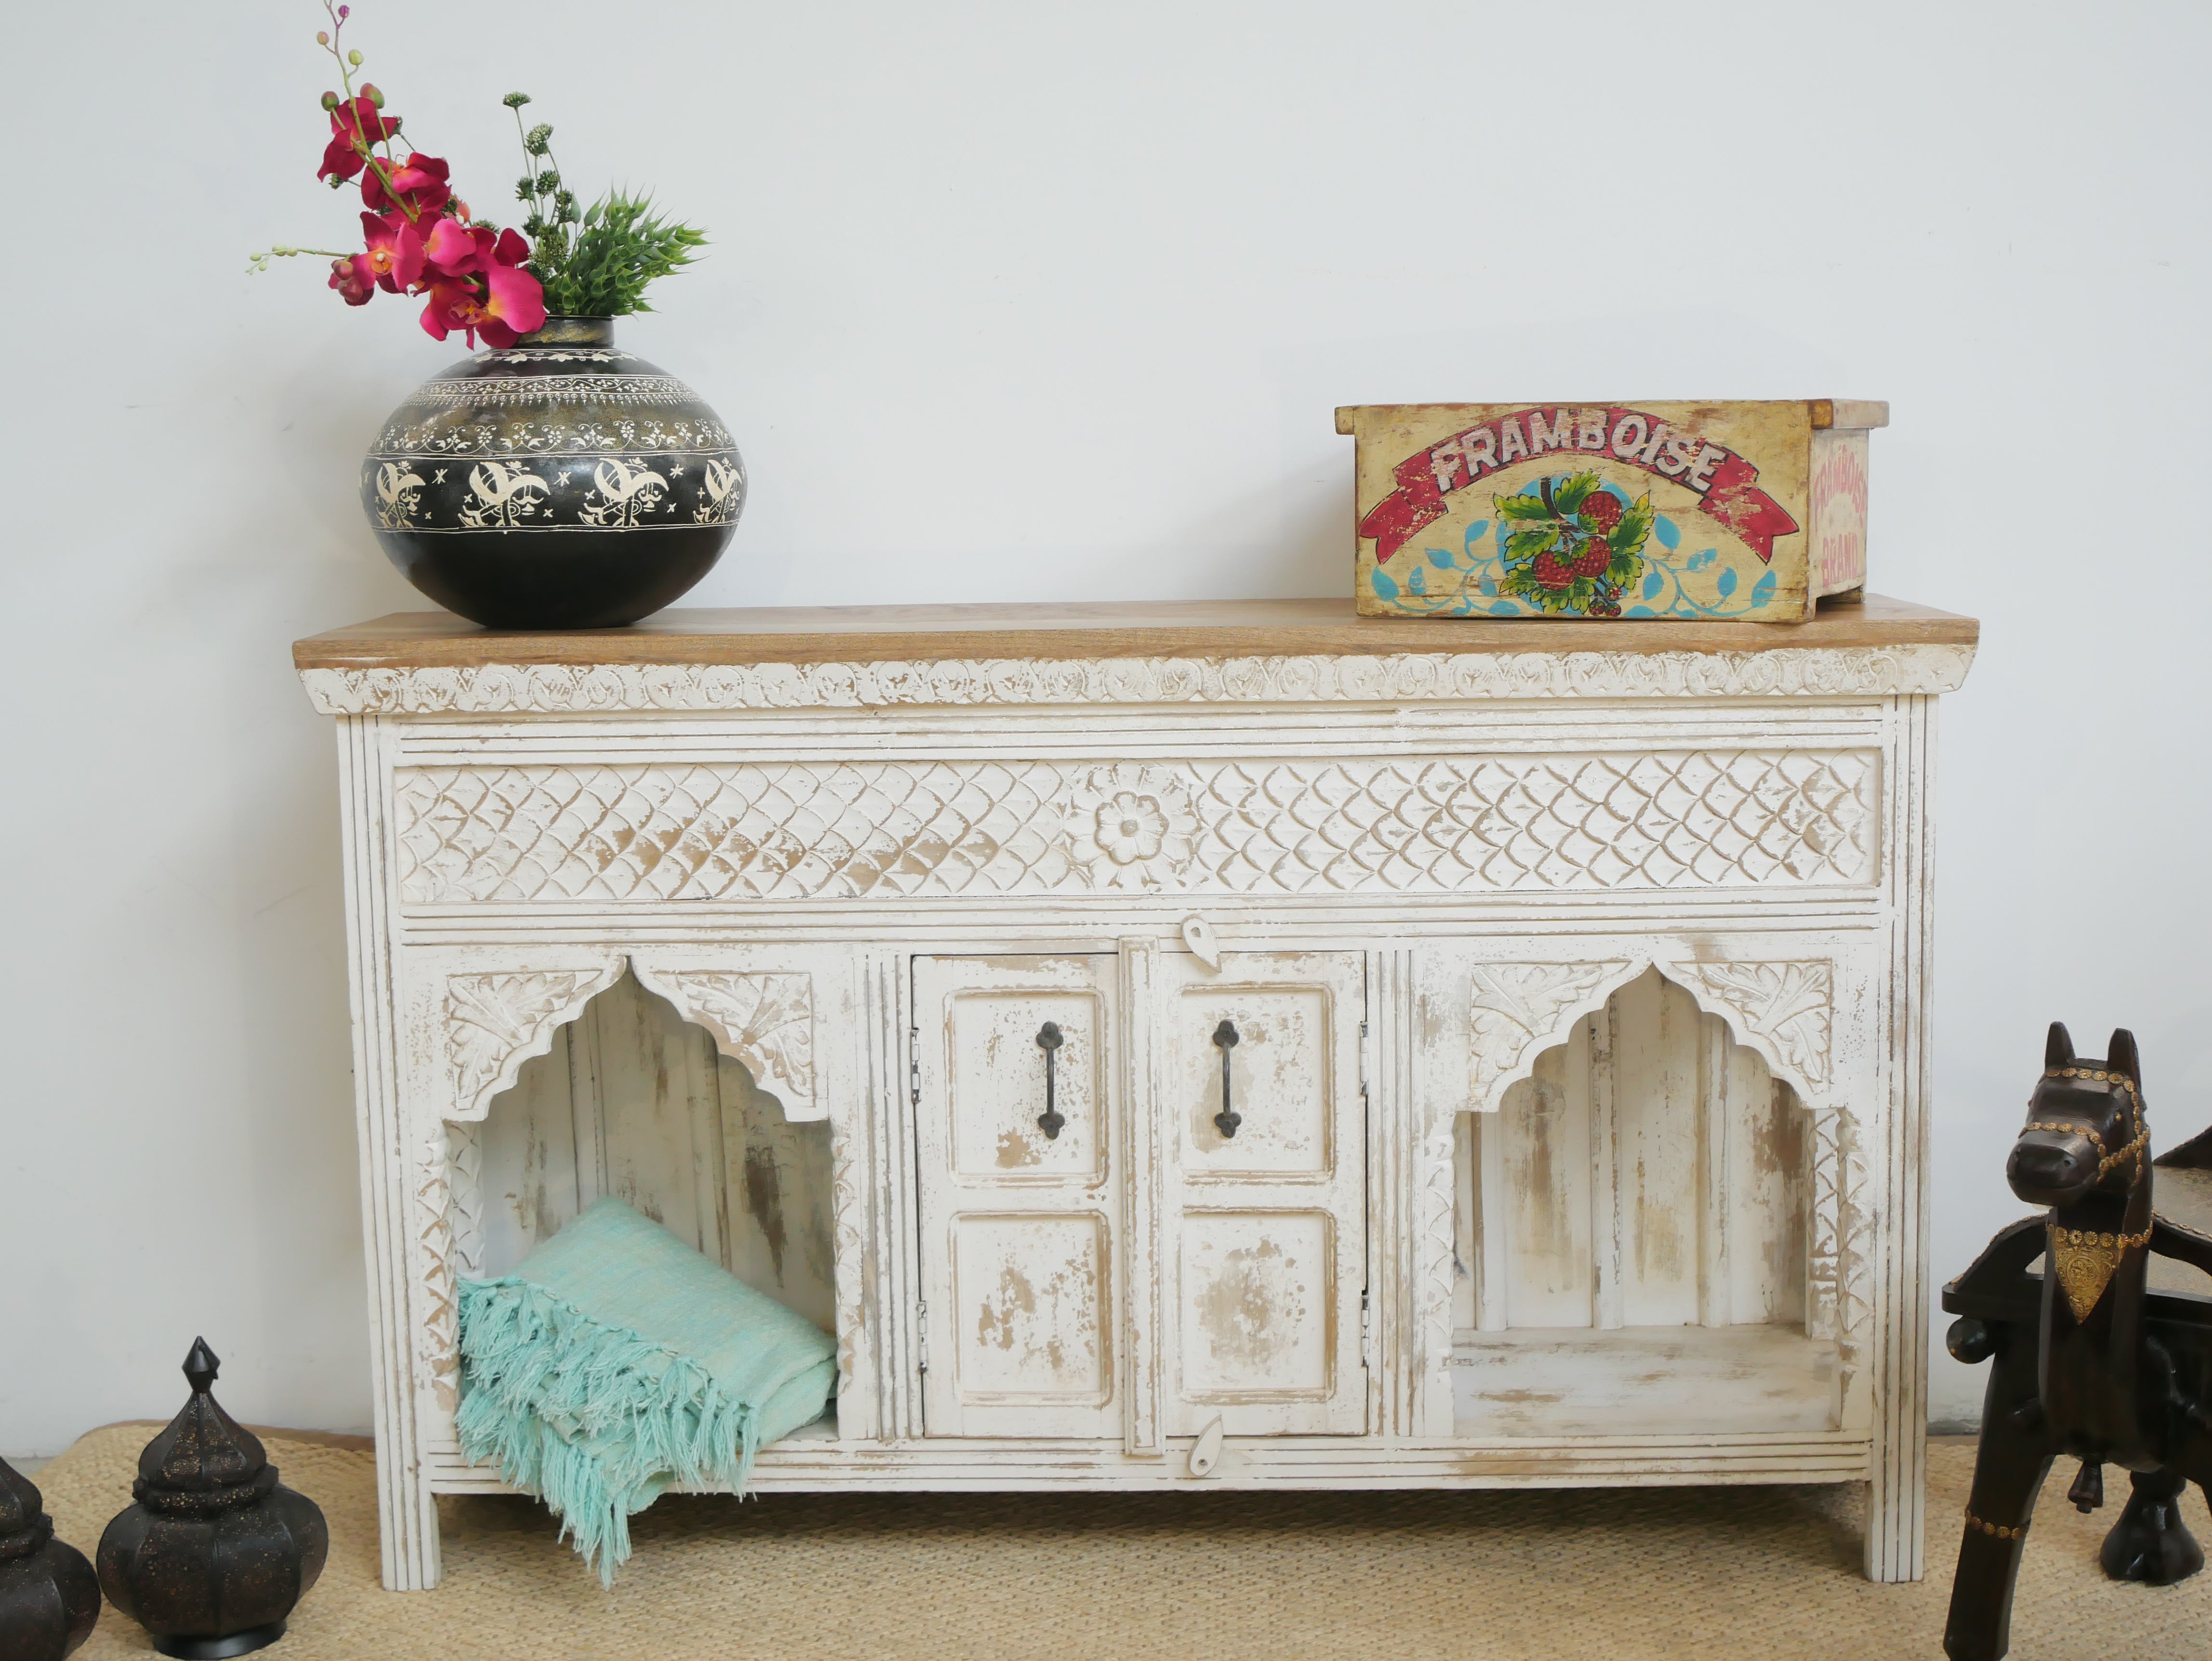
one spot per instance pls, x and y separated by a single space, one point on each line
1366 1347
1363 1058
913 1066
921 1337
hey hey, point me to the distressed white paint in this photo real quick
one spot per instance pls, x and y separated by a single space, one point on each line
1020 1227
1464 987
1541 1383
1264 1229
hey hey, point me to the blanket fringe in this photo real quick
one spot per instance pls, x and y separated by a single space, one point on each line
596 1420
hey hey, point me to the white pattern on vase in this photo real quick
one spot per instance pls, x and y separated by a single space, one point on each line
624 494
500 495
398 495
719 485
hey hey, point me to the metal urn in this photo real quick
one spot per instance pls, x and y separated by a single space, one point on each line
558 483
49 1596
216 1552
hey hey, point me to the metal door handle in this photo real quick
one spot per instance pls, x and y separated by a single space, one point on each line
1228 1119
1051 1122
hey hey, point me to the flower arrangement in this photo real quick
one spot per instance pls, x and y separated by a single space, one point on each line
475 278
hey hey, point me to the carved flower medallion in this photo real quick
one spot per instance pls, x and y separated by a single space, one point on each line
1133 826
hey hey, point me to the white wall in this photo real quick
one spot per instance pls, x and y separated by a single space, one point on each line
1020 302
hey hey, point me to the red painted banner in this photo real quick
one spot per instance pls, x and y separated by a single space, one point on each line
1726 484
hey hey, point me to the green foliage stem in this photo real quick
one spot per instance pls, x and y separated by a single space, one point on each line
595 261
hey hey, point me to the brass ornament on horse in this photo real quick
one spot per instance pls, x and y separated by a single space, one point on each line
2085 1261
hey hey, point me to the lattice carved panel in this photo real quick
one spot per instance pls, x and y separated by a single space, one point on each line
920 829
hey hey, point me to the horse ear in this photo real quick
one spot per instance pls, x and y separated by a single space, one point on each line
2120 1055
2057 1049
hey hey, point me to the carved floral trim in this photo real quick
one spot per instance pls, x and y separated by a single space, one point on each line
1808 671
914 827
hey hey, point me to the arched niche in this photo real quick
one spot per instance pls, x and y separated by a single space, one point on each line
619 1093
1637 1227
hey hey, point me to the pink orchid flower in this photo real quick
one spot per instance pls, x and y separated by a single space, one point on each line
355 125
418 186
510 303
455 250
395 252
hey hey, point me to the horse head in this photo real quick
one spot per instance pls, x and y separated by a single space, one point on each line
2085 1132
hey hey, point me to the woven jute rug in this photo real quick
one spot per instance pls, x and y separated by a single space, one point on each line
1613 1572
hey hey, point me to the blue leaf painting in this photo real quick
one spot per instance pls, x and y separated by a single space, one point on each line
1384 587
1439 558
1763 590
1703 558
1416 583
1641 611
1505 608
1670 534
1727 583
1652 585
1475 533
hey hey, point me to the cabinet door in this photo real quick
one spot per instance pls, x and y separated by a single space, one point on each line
1020 1191
1263 1229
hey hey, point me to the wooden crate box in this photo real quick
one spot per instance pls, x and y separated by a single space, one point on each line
1745 511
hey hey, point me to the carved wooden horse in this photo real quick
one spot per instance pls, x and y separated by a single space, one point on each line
2101 1360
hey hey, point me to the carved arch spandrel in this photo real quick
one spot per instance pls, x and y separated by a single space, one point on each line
495 1022
762 1018
1783 1009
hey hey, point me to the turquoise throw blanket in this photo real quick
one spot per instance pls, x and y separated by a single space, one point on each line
615 1362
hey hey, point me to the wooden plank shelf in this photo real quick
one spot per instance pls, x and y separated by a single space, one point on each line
1187 629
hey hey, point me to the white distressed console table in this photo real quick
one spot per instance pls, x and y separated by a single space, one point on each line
1230 1043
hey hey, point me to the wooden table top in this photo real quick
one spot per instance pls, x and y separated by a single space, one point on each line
1187 628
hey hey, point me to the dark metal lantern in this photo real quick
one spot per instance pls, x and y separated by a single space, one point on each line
216 1552
49 1599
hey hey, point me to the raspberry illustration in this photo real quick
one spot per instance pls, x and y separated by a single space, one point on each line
1569 544
1593 559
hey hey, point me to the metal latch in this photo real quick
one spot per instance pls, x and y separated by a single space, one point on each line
921 1332
1366 1334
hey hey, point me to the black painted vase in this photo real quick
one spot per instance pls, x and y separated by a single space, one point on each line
558 484
216 1552
49 1600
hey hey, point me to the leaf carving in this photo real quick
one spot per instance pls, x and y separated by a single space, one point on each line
492 1022
1786 1004
1514 1006
765 1021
